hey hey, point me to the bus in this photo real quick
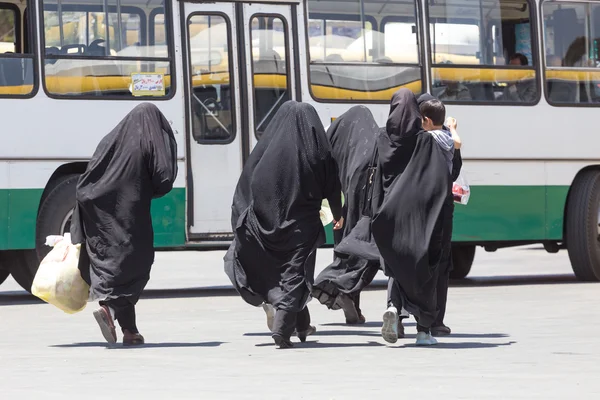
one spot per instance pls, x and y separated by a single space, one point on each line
522 77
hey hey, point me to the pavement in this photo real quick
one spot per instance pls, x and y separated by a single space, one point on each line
523 328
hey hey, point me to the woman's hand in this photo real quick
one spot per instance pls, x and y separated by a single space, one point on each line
451 123
337 225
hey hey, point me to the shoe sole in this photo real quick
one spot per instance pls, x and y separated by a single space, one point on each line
109 335
347 305
390 320
270 311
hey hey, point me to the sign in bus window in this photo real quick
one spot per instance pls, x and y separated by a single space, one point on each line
210 69
571 43
363 50
482 52
93 50
16 67
269 68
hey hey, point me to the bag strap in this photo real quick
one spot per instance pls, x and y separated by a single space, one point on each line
368 192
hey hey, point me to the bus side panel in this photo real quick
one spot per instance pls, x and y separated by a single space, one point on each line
501 213
168 219
3 219
22 215
556 201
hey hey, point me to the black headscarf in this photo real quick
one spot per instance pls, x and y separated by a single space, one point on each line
133 164
413 182
275 211
353 137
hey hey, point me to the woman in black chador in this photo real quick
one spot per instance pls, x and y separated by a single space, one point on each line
133 164
275 218
353 138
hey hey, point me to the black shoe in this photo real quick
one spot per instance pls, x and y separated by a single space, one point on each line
281 342
302 335
352 315
400 329
441 330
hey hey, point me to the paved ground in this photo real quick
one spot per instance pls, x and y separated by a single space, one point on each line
531 336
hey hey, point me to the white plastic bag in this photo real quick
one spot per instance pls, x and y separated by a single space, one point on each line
461 190
58 280
325 213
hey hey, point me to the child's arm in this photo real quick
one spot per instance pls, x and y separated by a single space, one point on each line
451 123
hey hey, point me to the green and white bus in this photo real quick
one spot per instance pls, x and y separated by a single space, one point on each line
70 70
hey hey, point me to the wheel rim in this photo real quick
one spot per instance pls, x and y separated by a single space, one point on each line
65 226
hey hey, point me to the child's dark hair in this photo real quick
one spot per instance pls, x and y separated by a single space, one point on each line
434 110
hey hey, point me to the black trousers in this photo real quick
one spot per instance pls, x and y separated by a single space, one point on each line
445 265
124 313
286 321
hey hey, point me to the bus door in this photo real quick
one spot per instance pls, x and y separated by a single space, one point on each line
239 71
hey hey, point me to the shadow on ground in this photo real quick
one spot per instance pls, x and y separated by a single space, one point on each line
144 346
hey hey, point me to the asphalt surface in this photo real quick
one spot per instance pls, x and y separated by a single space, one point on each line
523 328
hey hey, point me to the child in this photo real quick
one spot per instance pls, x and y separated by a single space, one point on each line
433 113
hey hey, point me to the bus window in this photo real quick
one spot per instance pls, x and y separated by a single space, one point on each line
362 50
97 52
212 97
16 66
157 27
483 52
269 68
571 43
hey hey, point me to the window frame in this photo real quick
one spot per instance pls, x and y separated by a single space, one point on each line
232 83
533 21
375 27
151 24
32 36
143 33
287 59
544 69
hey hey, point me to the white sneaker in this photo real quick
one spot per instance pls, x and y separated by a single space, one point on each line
425 339
389 330
270 311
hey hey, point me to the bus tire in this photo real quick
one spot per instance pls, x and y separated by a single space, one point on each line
23 265
462 260
55 212
582 226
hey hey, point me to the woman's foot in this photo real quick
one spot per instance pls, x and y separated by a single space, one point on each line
132 339
302 335
270 311
389 329
425 339
441 330
282 342
106 324
353 316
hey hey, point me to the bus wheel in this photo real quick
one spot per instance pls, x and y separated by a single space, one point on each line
3 275
462 260
583 226
54 217
23 265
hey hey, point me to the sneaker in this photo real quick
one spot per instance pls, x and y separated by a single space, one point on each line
132 339
441 330
389 329
270 311
425 339
302 335
106 324
400 329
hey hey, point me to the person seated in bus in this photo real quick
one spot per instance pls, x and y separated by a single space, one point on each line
520 91
453 90
275 218
353 137
132 165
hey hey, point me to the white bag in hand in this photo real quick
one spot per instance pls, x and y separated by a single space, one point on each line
58 280
461 191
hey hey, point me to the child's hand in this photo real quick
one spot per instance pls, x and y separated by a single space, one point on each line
451 123
338 224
